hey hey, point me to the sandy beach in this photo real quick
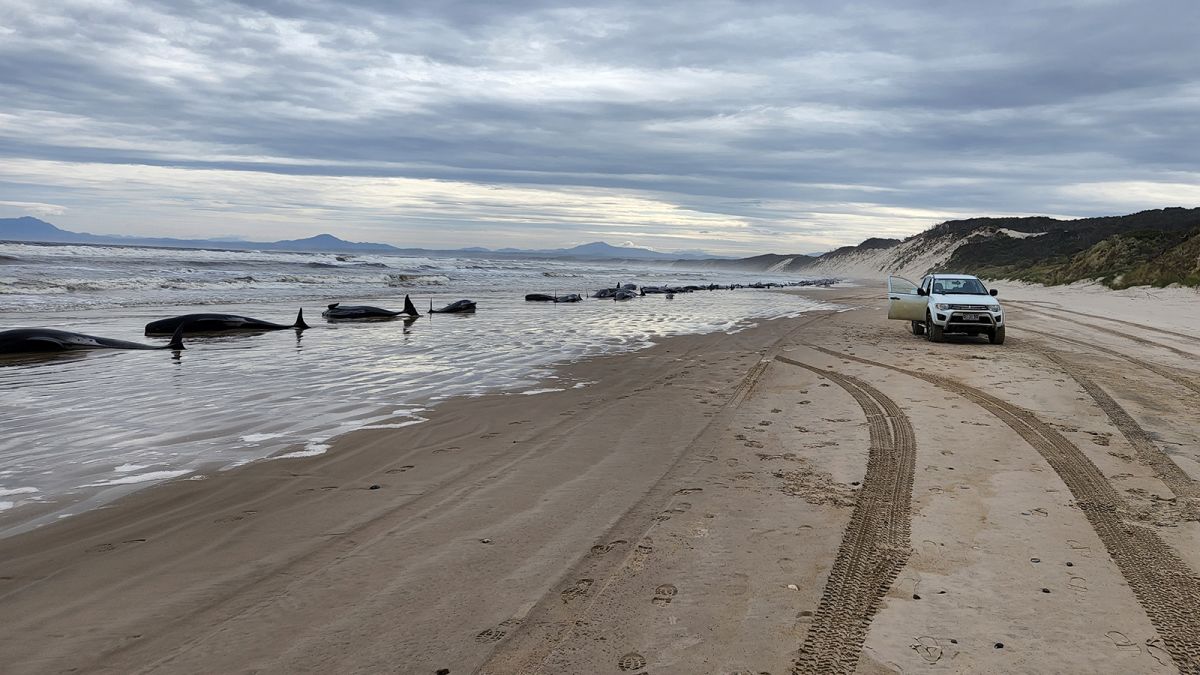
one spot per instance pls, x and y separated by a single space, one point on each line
821 494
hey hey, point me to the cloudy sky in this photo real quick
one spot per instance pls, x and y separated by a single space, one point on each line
733 127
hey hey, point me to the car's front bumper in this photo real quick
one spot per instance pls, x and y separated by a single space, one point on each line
958 321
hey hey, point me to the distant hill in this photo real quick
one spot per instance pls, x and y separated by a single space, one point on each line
31 229
1157 247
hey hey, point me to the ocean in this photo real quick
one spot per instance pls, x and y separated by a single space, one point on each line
80 429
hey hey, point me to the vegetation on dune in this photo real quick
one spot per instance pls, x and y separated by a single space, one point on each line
1159 248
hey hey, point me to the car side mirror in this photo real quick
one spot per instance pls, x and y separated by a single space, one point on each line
921 291
994 292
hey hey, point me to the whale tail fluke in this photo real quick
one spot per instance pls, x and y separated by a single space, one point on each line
409 309
300 325
176 343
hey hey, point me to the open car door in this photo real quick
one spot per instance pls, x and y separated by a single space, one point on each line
903 301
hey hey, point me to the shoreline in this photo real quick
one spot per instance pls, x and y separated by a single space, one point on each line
142 415
683 514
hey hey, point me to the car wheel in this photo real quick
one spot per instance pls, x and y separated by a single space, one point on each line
997 336
918 328
932 330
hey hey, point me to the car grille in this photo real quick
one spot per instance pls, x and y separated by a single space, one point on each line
971 308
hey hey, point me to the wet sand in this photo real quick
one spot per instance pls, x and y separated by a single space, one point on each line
821 494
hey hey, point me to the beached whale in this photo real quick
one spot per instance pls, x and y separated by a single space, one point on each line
624 295
41 340
339 312
456 307
208 323
542 297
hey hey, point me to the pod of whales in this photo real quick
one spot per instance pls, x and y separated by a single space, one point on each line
43 340
340 312
209 323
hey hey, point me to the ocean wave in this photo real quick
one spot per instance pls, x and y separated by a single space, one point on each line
401 279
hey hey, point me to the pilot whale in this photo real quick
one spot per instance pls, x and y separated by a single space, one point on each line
42 340
456 307
208 323
339 312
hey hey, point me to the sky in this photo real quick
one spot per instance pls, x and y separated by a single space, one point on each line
729 127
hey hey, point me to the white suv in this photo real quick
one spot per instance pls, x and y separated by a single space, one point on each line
947 303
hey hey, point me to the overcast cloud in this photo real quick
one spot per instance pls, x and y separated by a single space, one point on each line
735 127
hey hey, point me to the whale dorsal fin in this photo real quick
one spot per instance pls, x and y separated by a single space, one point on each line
409 309
334 305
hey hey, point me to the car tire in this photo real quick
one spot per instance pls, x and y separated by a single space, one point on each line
996 337
932 330
918 328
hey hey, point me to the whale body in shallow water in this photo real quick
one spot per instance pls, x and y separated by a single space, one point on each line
456 307
209 323
340 312
542 297
42 340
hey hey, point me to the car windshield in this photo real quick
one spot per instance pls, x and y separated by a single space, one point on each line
958 287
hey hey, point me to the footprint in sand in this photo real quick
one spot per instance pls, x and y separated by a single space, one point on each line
688 491
453 448
235 517
498 632
1155 648
577 590
776 410
104 548
663 595
404 468
490 434
1121 642
764 423
1078 584
631 661
928 648
323 488
1085 551
601 549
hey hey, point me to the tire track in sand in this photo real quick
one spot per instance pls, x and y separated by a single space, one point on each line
1122 334
1141 326
1167 589
1165 373
875 545
1147 451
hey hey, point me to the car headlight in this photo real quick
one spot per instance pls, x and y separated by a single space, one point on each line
942 306
997 310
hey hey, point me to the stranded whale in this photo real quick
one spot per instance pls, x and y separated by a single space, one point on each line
340 312
208 323
456 307
41 340
542 297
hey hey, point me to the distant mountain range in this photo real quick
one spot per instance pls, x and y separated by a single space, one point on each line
31 229
1156 248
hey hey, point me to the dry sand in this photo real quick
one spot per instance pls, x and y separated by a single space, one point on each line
823 494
